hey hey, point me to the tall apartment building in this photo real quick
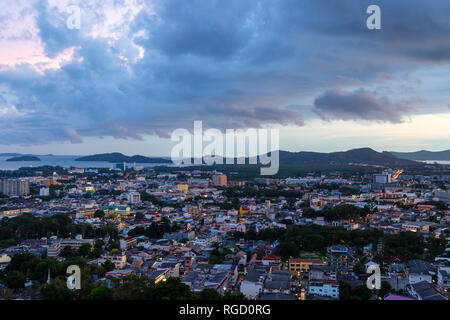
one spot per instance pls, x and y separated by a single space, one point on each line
133 197
339 257
219 179
15 187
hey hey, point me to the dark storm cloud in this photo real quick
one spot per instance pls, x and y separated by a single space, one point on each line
204 28
360 104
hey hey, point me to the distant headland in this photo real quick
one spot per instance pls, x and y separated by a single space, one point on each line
117 157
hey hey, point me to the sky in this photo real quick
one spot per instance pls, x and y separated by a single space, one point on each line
136 70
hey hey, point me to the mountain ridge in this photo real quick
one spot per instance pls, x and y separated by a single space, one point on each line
354 156
423 155
361 155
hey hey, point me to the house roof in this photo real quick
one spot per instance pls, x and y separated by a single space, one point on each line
391 296
427 292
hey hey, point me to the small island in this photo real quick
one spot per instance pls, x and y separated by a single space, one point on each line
24 158
117 157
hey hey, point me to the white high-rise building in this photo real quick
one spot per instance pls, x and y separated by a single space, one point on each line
44 192
133 197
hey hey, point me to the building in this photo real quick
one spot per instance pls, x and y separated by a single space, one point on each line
220 180
119 259
159 275
49 182
443 196
116 274
252 286
133 197
117 210
12 212
44 192
421 226
277 281
397 281
183 187
301 265
77 243
4 260
121 166
15 187
325 288
443 276
127 243
383 178
272 260
339 258
55 248
317 272
396 297
419 270
424 291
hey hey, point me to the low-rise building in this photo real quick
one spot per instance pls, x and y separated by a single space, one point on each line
326 288
443 277
302 265
252 286
424 291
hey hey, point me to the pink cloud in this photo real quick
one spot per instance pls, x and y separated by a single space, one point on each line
29 52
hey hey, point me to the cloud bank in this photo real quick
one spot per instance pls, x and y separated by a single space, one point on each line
140 67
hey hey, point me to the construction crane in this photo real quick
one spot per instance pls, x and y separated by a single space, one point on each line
397 174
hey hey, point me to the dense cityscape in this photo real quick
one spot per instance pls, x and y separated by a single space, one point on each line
207 159
197 233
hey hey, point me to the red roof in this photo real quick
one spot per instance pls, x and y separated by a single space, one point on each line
300 260
271 257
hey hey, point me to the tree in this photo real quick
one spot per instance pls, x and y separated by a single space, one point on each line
139 216
358 268
23 261
209 294
288 249
67 252
236 203
216 257
172 289
234 296
100 214
108 266
84 250
360 293
132 287
99 243
100 293
260 254
15 280
344 290
57 290
385 289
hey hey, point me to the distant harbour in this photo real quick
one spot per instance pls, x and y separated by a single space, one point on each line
62 161
436 161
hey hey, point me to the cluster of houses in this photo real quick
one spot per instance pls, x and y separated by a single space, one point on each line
197 203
